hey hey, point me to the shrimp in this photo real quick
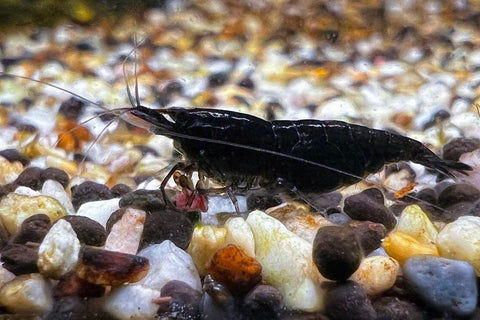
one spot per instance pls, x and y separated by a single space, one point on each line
304 156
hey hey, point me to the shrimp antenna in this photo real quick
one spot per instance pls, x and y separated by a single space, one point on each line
54 86
137 97
130 98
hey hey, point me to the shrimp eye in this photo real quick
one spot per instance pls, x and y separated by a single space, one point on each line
182 116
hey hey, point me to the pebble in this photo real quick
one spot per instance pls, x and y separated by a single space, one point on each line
19 259
401 246
460 240
132 302
33 229
456 147
167 224
234 269
58 252
167 263
394 308
240 234
71 108
56 174
263 302
27 294
15 208
261 200
376 274
369 234
206 240
30 177
414 222
147 200
306 226
88 231
459 192
72 285
337 253
9 172
368 205
217 302
120 190
126 233
110 268
89 191
348 300
99 211
184 300
287 264
54 189
12 155
446 285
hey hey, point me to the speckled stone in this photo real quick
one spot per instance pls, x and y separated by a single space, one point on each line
444 284
348 301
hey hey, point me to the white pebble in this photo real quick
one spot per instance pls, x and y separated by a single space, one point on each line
54 189
206 240
58 252
27 294
287 264
99 211
132 302
240 234
376 274
168 262
460 240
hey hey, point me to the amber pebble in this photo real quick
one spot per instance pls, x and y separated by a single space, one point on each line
71 135
110 268
235 269
401 246
72 285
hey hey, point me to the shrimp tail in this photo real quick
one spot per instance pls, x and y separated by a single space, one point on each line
446 167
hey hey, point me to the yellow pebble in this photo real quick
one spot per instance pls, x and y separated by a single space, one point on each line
206 240
415 223
401 246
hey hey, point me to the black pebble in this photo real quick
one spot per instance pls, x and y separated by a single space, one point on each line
456 193
88 231
164 225
247 83
6 189
30 177
147 200
4 236
369 234
84 45
217 302
394 308
56 174
89 191
71 108
368 205
120 189
114 218
326 201
336 252
218 79
185 303
19 259
456 147
348 301
67 308
263 302
13 155
261 200
33 229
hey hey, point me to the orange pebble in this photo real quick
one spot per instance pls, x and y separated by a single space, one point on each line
234 269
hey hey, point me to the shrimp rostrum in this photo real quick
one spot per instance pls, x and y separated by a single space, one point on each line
237 149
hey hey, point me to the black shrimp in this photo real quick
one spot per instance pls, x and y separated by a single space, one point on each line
237 149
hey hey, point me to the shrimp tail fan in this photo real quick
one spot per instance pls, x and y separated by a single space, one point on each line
446 167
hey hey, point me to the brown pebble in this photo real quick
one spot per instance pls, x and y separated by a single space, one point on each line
88 231
110 268
72 285
370 234
30 177
235 269
19 259
33 229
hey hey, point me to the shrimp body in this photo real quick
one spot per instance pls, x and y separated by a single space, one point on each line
305 155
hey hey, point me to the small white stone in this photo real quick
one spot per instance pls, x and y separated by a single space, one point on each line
126 233
26 191
460 240
240 234
27 294
376 274
99 211
287 264
54 189
132 302
58 252
168 262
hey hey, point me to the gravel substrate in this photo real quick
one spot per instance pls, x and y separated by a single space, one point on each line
85 233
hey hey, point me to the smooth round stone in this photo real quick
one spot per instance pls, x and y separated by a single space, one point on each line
394 308
456 147
347 301
444 284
